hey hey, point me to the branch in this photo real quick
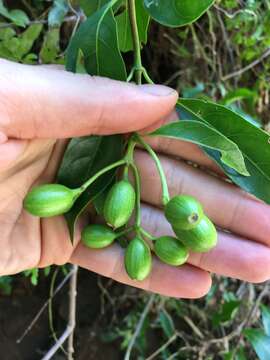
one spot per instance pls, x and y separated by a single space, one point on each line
33 322
72 311
59 343
139 326
248 67
72 18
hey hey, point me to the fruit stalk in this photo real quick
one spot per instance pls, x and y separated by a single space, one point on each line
165 190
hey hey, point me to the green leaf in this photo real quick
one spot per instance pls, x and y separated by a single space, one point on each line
175 13
50 47
240 355
166 323
227 312
204 135
83 158
124 28
260 342
239 94
99 201
18 17
252 141
16 48
97 39
266 319
57 12
91 6
27 39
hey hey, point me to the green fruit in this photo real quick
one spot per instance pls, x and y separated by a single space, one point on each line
202 238
50 200
184 212
98 236
171 251
119 204
138 259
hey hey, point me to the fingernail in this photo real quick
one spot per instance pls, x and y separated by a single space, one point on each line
157 90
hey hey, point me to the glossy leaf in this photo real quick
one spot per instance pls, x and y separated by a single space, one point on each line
83 158
204 135
98 42
260 342
177 12
252 141
91 6
124 28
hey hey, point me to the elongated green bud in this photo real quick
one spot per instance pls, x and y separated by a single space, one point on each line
119 204
184 212
50 200
202 238
97 236
170 251
138 259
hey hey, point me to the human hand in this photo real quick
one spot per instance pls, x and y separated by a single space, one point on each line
243 249
39 108
32 115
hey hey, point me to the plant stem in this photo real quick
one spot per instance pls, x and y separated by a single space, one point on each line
101 172
147 77
124 232
136 41
138 195
72 311
165 190
130 151
146 234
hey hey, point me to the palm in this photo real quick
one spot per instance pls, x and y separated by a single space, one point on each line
23 237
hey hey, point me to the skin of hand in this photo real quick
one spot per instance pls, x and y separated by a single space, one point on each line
41 107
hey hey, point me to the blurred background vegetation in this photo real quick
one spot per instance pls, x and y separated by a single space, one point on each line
224 56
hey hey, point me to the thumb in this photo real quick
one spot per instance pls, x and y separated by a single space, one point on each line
43 102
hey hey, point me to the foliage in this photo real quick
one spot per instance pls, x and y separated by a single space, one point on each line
204 54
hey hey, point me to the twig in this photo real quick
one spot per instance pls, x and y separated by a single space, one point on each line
72 311
248 67
238 331
163 347
71 18
195 329
254 309
33 322
50 311
139 326
78 15
237 12
59 343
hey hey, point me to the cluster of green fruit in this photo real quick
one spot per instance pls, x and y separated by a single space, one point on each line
194 231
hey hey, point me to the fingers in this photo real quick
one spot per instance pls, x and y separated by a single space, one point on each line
184 282
10 151
58 104
234 256
228 206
